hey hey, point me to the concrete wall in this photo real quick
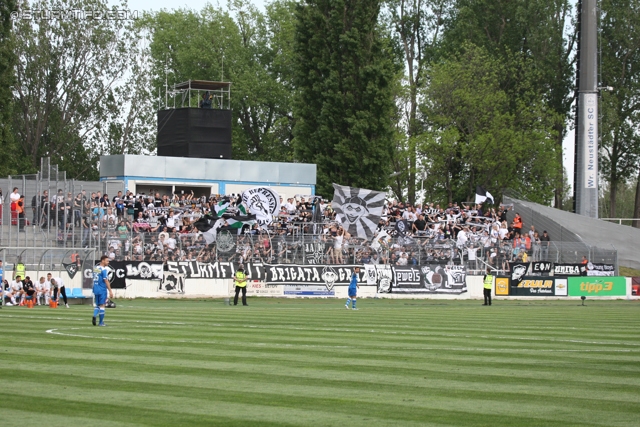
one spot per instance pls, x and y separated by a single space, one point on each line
221 288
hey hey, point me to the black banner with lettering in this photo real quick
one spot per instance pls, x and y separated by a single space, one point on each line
214 270
121 270
569 269
541 267
431 278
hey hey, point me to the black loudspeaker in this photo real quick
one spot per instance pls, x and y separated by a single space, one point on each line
194 132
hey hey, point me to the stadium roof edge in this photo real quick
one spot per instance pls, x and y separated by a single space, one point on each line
158 167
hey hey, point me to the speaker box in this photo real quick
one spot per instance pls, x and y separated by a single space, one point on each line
194 132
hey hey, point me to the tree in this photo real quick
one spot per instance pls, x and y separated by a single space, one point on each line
620 109
241 45
66 73
474 137
537 30
416 27
7 80
344 104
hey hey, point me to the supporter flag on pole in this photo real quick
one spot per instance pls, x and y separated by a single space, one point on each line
483 195
358 210
222 206
263 202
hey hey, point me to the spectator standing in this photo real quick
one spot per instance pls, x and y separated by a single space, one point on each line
21 216
34 207
536 244
544 245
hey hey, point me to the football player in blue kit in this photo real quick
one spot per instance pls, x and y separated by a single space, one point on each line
353 289
100 286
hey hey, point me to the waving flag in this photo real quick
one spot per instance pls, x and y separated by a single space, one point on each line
483 195
357 209
263 202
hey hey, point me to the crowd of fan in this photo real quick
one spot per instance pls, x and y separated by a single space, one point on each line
157 227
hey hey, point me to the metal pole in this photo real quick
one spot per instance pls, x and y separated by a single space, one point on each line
586 154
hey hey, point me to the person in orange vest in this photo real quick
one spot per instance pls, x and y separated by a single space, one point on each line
517 223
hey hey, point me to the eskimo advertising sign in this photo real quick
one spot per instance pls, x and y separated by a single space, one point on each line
590 286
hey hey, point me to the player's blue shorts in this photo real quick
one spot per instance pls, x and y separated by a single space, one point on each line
101 299
353 292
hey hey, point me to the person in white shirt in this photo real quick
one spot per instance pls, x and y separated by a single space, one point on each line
170 242
43 289
462 237
58 288
290 206
14 196
14 291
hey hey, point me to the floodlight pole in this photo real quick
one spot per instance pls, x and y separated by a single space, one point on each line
585 184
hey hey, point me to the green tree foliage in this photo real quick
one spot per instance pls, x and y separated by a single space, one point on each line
474 135
67 70
241 45
344 104
620 108
7 80
539 31
415 27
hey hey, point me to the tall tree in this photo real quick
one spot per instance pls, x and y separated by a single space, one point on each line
620 109
344 102
416 26
66 73
475 138
242 45
7 80
538 30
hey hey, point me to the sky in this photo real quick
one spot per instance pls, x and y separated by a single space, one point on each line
155 5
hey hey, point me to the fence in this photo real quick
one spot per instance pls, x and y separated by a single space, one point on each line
303 248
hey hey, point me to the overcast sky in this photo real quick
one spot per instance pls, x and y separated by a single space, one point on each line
147 5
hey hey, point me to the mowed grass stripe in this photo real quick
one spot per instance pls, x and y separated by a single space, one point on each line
414 409
266 353
245 384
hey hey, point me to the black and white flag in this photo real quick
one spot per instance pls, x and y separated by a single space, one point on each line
357 209
402 227
172 283
483 195
72 269
263 202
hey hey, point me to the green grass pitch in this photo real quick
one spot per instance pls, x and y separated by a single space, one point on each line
312 363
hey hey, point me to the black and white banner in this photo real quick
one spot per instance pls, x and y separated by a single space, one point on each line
172 283
314 252
215 270
600 269
569 269
483 195
327 275
518 271
121 270
72 269
358 210
263 202
541 267
402 227
424 279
